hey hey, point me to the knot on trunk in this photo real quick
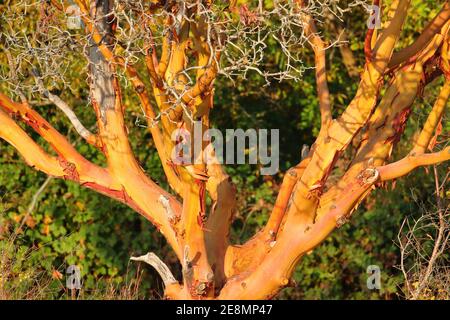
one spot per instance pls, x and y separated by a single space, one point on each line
368 176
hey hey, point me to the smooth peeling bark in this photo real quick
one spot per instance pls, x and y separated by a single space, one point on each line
430 30
217 227
241 258
385 126
106 96
341 131
300 213
33 154
406 165
433 120
291 178
276 269
198 276
308 206
75 166
128 173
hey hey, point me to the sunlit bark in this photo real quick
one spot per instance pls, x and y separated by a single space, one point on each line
308 207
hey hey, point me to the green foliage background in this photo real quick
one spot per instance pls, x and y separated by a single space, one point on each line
72 225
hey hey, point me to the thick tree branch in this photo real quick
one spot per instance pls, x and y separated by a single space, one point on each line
430 30
33 154
106 98
321 72
217 229
68 165
275 270
404 166
77 167
142 93
435 116
387 123
341 132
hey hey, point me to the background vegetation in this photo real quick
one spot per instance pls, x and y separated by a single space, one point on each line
71 225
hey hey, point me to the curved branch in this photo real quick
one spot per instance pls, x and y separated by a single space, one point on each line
66 166
77 167
370 38
275 270
172 290
432 121
318 47
33 154
404 166
430 30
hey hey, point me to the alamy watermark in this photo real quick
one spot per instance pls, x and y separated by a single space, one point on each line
73 280
208 146
374 279
374 20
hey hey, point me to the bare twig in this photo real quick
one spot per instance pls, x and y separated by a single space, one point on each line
162 269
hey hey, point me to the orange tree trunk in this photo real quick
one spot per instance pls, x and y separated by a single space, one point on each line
308 206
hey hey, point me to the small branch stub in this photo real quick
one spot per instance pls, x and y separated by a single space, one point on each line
163 270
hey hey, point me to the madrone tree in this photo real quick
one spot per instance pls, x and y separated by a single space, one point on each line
171 52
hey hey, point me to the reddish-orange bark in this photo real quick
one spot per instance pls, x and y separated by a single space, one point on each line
308 206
